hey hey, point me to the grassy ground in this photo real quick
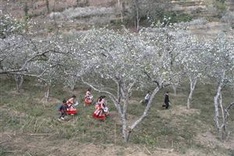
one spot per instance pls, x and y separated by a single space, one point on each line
30 126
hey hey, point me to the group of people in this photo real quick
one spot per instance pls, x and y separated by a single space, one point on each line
166 99
68 106
101 109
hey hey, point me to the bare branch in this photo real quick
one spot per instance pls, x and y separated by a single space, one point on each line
228 109
147 108
12 71
102 91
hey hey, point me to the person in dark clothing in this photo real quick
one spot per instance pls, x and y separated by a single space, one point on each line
166 100
63 110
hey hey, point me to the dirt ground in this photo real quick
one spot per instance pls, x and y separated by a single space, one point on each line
18 143
40 144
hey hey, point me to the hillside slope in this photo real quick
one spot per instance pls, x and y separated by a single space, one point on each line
69 15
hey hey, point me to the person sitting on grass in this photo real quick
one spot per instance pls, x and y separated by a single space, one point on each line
101 111
105 108
63 110
72 101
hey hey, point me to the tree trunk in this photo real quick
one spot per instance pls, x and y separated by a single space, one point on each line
223 133
125 130
26 9
219 118
47 93
144 114
125 98
137 15
77 3
147 108
48 6
123 9
121 101
193 82
174 87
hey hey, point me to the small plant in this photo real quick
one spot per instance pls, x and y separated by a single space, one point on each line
168 18
220 5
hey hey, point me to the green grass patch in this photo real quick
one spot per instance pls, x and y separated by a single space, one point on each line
26 113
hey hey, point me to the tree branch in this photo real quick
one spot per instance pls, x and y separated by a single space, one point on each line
12 71
102 91
147 108
227 110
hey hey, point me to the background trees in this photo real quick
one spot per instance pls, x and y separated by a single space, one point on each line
192 62
220 60
113 66
152 12
118 62
9 25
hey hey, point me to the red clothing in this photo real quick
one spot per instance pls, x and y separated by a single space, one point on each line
70 109
88 101
100 113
